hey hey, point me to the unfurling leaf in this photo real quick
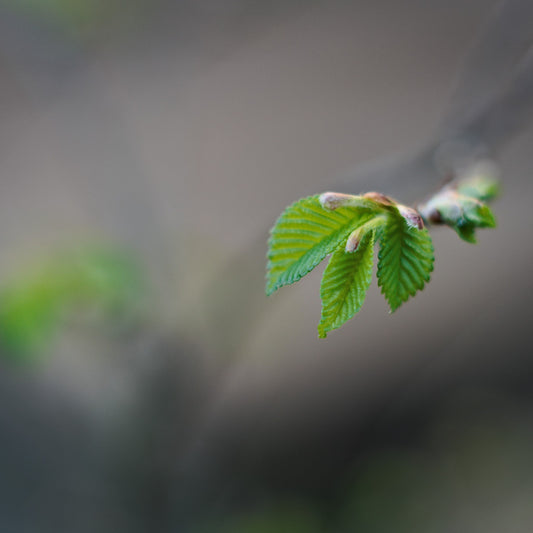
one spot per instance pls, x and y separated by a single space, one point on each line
305 233
479 186
344 284
461 207
405 260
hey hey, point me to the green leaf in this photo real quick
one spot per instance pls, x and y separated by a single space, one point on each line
405 261
475 215
479 214
344 284
467 232
304 234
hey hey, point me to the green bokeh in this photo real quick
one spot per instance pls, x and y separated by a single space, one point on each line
32 307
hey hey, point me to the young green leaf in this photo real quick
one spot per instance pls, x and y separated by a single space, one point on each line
467 232
478 213
305 233
405 260
344 284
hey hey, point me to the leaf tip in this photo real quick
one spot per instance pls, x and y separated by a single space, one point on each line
270 286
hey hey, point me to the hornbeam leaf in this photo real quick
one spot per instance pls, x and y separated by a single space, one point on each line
304 234
405 261
344 284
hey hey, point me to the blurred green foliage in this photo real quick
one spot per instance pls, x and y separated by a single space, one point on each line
104 282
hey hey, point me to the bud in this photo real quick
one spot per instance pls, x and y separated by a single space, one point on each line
443 208
358 234
354 240
379 198
411 216
333 200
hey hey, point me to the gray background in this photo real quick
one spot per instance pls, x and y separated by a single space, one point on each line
181 130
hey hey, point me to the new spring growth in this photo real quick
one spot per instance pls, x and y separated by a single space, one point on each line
461 205
336 225
357 235
371 200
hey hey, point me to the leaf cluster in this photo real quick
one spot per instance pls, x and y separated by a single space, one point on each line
347 228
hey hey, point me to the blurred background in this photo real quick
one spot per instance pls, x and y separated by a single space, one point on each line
147 384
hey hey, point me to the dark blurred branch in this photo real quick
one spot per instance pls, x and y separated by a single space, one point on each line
492 102
491 62
508 113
